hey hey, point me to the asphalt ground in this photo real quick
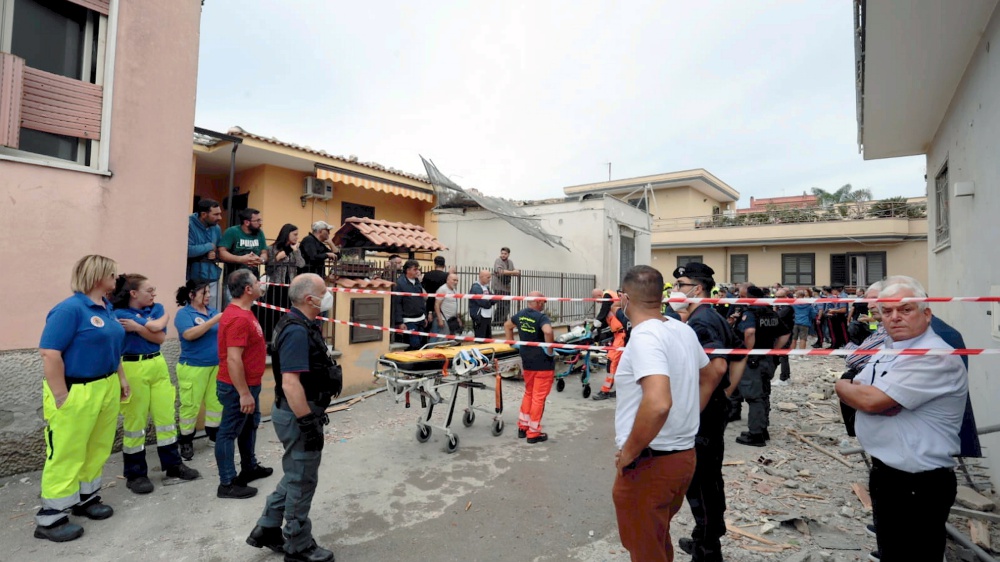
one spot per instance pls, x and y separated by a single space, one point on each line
381 496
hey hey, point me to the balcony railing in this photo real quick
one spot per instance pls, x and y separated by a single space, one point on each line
845 212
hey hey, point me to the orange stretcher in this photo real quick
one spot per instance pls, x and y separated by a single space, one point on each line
443 366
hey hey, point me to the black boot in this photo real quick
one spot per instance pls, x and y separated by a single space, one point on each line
269 537
61 531
186 443
211 432
752 439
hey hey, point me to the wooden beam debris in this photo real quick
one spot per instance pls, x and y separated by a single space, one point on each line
823 450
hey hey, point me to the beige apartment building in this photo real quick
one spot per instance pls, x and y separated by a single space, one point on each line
694 217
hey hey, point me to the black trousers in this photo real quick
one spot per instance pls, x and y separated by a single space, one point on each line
910 511
481 327
707 495
838 330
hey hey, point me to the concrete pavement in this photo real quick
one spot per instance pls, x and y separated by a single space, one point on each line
382 495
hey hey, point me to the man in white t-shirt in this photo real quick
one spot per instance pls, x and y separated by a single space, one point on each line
656 418
446 319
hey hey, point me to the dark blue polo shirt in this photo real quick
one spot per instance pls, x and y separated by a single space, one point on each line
529 324
712 330
204 351
134 343
293 346
88 335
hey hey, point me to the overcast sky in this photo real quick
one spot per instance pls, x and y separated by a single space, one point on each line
520 99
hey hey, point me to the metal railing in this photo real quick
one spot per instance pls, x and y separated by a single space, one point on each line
855 211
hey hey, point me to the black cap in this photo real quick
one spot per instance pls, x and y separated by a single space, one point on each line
694 269
838 287
827 288
755 292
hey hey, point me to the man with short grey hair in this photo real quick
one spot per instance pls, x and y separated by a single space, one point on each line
315 250
910 412
305 381
446 308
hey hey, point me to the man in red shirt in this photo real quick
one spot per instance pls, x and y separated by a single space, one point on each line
242 360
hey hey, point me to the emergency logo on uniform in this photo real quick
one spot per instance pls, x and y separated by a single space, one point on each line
97 321
199 320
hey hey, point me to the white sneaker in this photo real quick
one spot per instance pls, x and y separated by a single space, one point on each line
780 382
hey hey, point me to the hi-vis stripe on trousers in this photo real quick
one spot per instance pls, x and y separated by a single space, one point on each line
78 442
196 385
152 393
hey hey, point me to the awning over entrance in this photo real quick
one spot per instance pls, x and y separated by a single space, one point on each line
385 236
370 182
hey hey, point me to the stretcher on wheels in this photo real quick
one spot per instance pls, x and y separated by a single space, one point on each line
578 361
437 368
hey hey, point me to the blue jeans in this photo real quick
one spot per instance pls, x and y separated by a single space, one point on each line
415 340
235 427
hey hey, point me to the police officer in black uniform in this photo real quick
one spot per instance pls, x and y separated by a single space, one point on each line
761 329
306 379
706 495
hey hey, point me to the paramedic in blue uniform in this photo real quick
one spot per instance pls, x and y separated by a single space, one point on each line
910 411
197 324
153 394
81 350
706 495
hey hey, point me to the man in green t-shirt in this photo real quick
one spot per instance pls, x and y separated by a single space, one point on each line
243 246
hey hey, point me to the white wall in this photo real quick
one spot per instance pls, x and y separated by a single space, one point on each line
969 140
590 229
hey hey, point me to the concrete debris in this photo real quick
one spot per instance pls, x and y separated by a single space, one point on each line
787 407
967 497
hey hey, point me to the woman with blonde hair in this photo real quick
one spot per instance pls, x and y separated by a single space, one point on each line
153 393
81 348
197 325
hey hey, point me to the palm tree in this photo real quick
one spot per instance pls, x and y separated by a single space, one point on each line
838 199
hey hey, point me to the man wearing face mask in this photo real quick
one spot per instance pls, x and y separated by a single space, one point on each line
306 379
612 315
706 495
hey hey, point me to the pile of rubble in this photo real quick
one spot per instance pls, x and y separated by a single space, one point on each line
799 499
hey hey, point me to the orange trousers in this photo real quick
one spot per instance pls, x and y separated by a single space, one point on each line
613 358
537 385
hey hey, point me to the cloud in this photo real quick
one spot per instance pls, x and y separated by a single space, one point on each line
520 99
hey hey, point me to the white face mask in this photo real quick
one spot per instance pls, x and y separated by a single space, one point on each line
678 306
327 304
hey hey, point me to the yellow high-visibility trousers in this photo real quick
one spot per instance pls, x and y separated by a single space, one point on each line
152 393
196 386
78 441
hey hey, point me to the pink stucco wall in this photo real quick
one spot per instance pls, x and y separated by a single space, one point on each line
49 218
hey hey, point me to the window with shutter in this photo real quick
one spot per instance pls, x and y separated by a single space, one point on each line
57 99
366 311
797 269
876 266
684 260
838 269
739 268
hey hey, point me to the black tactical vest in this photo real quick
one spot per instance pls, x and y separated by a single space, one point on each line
324 380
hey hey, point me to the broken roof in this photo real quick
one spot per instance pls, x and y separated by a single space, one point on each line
450 194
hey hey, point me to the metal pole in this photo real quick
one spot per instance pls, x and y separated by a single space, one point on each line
979 431
964 541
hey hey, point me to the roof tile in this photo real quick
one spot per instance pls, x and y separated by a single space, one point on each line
391 234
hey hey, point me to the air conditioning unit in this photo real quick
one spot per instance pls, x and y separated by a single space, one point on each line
315 188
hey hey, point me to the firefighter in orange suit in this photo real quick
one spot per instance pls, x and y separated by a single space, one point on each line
611 316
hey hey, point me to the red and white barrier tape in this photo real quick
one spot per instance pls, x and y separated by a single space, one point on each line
720 351
746 301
